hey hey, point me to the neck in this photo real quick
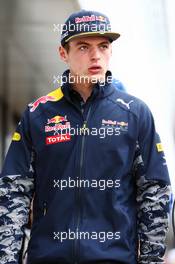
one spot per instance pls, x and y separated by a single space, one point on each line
84 89
83 86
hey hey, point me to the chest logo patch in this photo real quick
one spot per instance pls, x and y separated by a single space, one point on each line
118 126
57 139
125 103
60 127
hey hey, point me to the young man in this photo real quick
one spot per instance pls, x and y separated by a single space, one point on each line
91 158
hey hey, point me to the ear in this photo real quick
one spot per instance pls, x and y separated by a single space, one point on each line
63 54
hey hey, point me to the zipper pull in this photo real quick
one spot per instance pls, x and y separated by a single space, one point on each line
84 128
45 209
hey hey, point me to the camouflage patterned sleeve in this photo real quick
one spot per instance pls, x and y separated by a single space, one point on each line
153 208
153 192
16 191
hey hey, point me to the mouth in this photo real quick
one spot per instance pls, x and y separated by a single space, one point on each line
95 69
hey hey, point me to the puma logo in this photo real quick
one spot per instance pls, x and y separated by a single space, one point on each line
124 103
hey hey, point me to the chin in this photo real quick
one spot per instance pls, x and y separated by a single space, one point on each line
98 77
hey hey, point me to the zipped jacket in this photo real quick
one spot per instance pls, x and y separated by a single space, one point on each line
99 179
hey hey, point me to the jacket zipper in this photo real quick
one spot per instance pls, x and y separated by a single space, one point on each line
84 128
44 208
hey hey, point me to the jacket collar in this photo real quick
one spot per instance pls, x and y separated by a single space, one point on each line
100 90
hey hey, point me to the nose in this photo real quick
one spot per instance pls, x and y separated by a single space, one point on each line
95 54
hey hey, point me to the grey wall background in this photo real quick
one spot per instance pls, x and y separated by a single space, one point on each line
28 56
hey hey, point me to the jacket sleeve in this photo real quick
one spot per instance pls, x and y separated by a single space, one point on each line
16 191
153 192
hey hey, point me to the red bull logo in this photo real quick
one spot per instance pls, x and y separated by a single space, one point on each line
122 123
101 18
41 100
57 120
89 19
52 97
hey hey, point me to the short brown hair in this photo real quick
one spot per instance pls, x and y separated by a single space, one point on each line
66 47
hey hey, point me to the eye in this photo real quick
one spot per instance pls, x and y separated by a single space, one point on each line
104 46
83 48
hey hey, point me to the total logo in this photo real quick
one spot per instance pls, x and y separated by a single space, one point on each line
61 127
57 139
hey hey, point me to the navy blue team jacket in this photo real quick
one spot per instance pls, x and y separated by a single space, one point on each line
99 179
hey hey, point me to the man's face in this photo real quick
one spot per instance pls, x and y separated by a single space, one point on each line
88 56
